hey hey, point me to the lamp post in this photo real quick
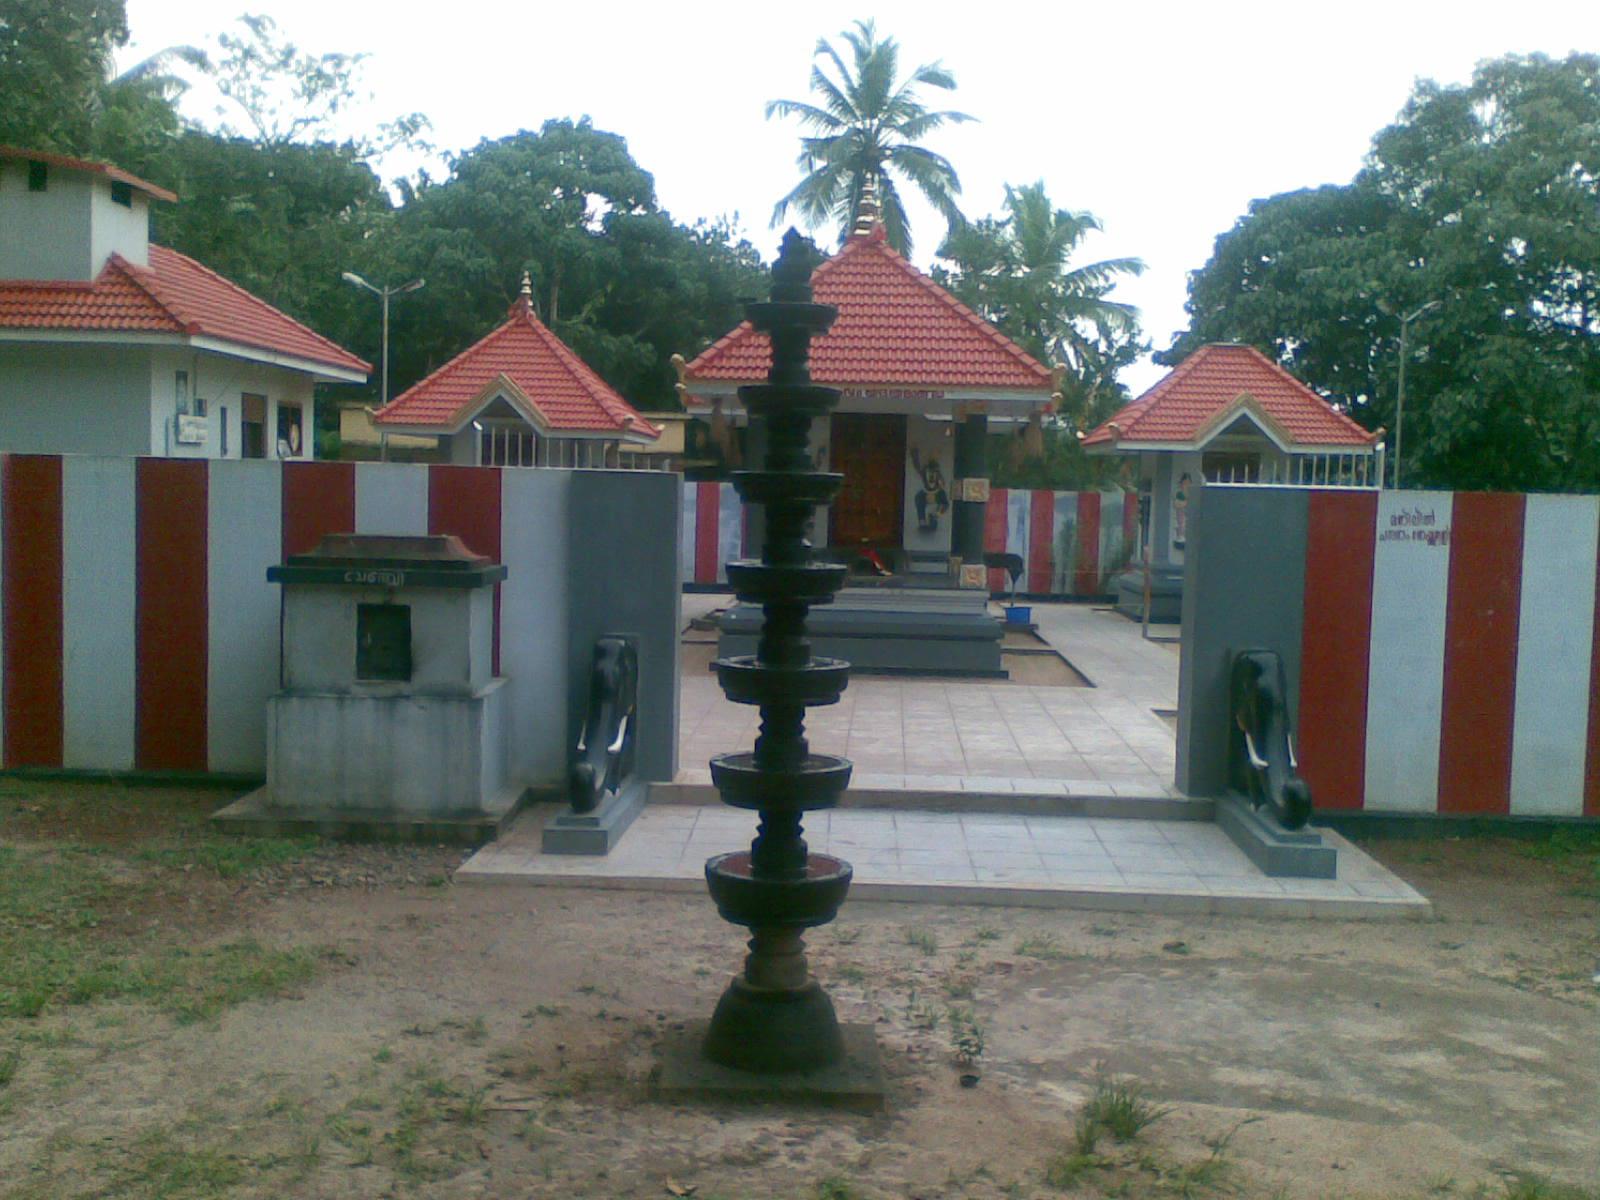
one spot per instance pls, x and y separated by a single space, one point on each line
383 294
1400 391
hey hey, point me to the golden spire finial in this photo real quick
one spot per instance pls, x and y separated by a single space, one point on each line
868 212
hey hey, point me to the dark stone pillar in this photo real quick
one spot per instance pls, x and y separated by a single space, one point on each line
971 463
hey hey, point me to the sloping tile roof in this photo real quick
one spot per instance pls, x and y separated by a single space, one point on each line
1198 390
13 153
559 384
896 327
174 294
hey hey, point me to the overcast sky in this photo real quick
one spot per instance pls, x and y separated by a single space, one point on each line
1165 120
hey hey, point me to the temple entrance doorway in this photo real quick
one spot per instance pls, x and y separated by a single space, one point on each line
869 449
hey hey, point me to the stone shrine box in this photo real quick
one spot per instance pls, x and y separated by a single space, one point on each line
390 721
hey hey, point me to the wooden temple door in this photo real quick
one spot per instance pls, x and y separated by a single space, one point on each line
870 450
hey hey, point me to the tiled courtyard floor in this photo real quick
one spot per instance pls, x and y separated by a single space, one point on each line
902 728
976 792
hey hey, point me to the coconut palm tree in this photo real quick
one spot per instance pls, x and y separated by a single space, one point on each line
1016 272
867 127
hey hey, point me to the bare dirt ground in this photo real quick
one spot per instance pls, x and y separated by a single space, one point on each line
385 1033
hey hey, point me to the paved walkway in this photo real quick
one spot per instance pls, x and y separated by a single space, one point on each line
972 858
929 733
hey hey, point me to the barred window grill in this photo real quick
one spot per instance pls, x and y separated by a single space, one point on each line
1332 470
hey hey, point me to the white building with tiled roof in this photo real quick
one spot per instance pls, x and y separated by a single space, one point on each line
112 345
1226 414
520 397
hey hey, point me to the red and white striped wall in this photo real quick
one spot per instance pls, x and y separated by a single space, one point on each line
1072 542
137 627
714 532
1450 657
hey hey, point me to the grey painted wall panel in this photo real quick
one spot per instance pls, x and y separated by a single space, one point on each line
245 522
622 570
97 595
1244 587
534 525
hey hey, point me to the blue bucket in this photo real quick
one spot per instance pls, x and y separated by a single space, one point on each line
1019 614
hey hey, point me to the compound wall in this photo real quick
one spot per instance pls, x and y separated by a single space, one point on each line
138 631
1442 648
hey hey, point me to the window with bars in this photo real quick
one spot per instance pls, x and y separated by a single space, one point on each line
507 445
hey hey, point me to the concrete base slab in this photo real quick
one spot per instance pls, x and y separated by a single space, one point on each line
595 832
256 815
1280 853
1027 797
857 1083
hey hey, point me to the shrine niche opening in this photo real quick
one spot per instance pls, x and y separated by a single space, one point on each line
869 449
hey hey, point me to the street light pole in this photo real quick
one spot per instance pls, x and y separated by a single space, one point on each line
1400 391
383 294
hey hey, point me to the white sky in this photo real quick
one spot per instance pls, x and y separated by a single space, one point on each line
1165 120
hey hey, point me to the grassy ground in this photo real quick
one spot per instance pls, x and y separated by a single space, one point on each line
188 1016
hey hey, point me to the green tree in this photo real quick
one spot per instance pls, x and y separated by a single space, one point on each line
55 56
1485 197
613 275
1016 271
867 127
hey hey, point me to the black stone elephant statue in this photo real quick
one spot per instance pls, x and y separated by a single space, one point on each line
1261 761
604 757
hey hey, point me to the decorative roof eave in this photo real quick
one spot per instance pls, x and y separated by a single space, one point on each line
702 393
89 166
322 372
503 387
1243 405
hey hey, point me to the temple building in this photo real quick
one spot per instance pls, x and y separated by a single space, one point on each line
111 344
922 376
520 397
1226 414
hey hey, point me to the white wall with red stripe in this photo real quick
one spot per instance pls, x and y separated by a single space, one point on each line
138 631
1448 651
1071 542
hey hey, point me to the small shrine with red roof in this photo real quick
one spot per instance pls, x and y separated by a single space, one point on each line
1227 414
520 397
113 345
922 375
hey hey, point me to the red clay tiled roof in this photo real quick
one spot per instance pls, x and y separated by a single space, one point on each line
83 164
559 384
1204 385
174 294
896 328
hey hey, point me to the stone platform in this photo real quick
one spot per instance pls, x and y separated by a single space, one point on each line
1107 863
916 630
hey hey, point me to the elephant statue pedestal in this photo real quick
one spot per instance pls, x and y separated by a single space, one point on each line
1267 807
604 794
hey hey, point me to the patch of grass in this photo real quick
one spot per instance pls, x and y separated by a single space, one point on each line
966 1036
1067 1170
60 943
1042 946
985 933
836 1187
226 857
1119 1108
160 1164
850 973
1528 1186
924 940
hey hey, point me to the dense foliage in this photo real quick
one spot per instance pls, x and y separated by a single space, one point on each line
1484 197
276 203
1016 270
